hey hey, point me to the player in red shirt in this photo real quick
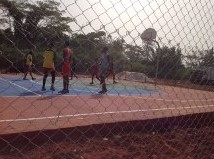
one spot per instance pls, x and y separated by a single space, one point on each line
66 67
95 71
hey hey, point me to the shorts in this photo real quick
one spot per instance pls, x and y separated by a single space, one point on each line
103 73
28 68
95 73
66 69
46 70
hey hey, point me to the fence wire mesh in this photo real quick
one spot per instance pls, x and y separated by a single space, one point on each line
95 79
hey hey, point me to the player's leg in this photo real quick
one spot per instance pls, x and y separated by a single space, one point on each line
64 85
104 89
92 78
30 71
96 74
44 79
53 75
67 84
25 75
97 77
66 74
26 72
113 74
102 81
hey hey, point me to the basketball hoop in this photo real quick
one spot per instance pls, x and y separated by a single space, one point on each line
149 35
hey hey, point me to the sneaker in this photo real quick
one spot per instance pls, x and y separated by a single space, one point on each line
43 89
52 88
67 91
33 78
64 91
103 91
92 83
61 92
114 82
24 78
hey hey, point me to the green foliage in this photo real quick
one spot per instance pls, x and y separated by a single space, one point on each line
208 58
33 22
137 67
11 58
37 24
6 37
183 74
170 62
134 53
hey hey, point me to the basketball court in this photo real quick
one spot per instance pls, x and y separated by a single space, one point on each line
25 108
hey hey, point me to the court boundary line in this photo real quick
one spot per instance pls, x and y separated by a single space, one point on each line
93 92
88 86
28 90
62 87
97 94
102 113
112 95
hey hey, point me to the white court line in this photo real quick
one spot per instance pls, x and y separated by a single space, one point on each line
101 113
79 90
20 87
161 99
127 96
172 100
116 95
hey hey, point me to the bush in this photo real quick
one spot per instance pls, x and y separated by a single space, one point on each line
11 59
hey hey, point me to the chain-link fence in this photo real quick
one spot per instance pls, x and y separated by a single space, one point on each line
104 79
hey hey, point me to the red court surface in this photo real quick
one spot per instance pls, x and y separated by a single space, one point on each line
33 113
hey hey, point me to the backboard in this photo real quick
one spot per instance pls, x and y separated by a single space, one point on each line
149 35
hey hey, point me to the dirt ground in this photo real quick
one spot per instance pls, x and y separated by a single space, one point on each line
189 143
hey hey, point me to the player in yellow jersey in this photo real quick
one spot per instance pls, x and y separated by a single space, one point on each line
48 66
29 65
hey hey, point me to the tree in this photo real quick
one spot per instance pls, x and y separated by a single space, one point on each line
32 22
134 53
116 50
141 59
88 48
170 62
6 36
208 58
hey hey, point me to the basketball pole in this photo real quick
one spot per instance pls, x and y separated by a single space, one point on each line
157 64
149 35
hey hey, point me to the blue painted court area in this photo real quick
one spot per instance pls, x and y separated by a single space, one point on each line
18 87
